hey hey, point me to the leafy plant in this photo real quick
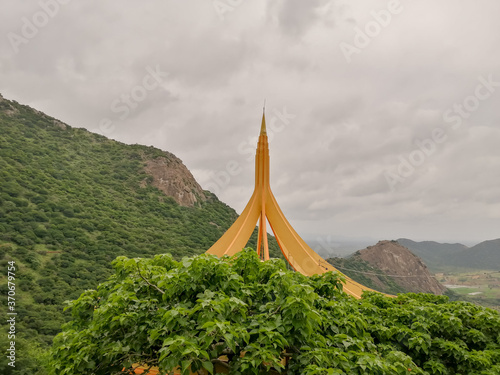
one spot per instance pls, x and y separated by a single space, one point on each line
255 317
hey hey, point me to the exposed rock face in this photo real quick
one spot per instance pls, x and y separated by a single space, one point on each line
6 107
60 124
408 270
172 177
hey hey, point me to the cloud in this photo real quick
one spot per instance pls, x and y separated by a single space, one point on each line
352 122
296 17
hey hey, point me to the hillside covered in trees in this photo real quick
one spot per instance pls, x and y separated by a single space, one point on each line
72 201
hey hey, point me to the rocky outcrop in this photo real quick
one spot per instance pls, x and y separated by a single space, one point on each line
60 124
172 177
406 269
6 107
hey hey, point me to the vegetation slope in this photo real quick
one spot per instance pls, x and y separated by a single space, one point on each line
72 201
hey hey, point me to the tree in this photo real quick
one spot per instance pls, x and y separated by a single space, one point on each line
265 319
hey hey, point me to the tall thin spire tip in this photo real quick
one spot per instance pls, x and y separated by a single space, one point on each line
263 126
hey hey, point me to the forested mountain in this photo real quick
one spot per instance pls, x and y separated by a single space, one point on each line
434 254
72 201
483 256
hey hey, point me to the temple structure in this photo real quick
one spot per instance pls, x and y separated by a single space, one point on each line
262 205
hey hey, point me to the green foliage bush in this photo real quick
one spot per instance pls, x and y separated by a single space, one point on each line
266 319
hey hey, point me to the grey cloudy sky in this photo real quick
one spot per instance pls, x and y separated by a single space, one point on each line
384 114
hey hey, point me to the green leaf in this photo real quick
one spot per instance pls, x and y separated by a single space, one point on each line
209 366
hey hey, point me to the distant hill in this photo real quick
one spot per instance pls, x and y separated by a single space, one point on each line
434 254
390 268
71 201
438 256
485 256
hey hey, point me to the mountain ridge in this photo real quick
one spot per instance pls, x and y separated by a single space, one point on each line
484 255
433 253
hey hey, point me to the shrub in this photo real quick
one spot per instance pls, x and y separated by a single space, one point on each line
266 319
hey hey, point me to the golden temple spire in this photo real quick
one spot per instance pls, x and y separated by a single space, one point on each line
263 207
